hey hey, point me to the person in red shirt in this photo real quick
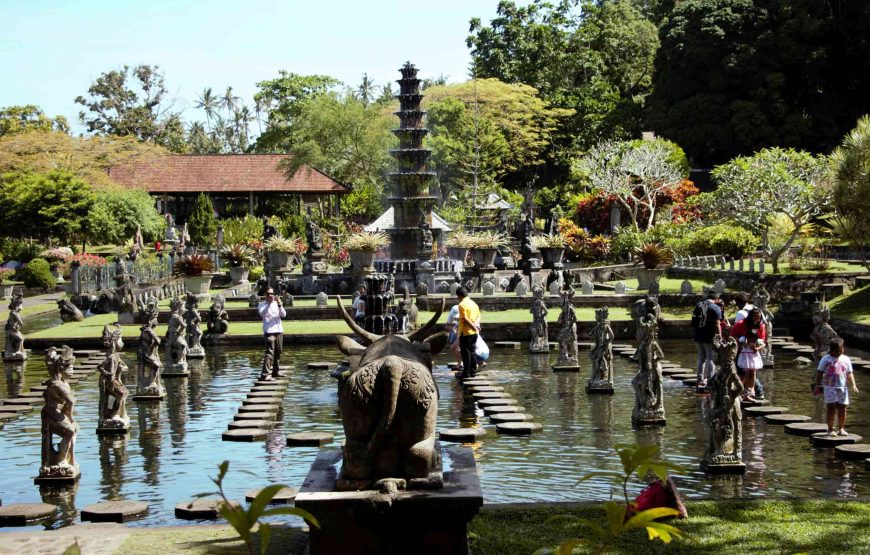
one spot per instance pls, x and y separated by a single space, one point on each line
751 334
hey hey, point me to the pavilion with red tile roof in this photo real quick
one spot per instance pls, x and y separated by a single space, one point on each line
236 183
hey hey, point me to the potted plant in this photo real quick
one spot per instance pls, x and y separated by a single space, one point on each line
457 245
363 247
241 259
484 246
651 255
552 247
55 257
196 270
5 286
280 250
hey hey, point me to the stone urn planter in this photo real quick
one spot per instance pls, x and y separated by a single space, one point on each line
484 258
55 272
457 253
6 291
239 274
645 277
279 261
362 260
198 285
552 256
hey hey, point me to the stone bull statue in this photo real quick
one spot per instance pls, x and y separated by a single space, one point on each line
389 404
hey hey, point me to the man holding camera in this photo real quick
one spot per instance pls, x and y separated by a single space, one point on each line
271 311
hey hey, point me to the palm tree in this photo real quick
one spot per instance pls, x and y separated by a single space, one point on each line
208 102
229 101
366 89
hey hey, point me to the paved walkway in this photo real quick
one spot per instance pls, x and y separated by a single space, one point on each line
93 539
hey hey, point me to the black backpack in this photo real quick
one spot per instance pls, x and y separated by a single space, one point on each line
699 315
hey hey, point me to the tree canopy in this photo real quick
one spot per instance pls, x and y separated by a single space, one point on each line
20 119
852 183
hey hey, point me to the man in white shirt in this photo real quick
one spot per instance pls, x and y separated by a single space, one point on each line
359 305
271 311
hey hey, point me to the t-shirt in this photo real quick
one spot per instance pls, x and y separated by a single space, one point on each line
743 312
453 316
834 370
359 304
468 313
711 325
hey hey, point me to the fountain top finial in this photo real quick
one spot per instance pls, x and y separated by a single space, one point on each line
409 71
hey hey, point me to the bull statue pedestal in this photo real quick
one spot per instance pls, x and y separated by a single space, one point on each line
391 495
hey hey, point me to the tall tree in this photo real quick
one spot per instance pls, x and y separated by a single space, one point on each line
734 76
281 101
209 104
366 89
852 185
20 119
202 224
133 102
56 204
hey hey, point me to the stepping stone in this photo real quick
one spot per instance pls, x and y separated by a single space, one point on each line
682 376
755 403
461 435
675 371
20 514
4 416
824 440
783 419
18 402
321 365
260 408
114 511
30 395
500 409
241 424
285 496
853 452
201 509
500 417
267 388
566 368
245 434
491 395
38 388
762 410
518 428
482 388
255 416
477 383
690 381
805 428
309 439
265 395
17 409
483 403
670 365
507 344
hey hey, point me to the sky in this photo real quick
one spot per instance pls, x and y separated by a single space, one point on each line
51 51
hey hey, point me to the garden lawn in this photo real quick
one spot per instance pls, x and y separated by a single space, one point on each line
817 526
666 285
33 310
785 269
854 306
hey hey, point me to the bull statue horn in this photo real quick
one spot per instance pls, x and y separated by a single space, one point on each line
422 333
367 338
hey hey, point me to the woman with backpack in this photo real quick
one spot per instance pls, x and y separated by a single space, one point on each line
706 320
751 334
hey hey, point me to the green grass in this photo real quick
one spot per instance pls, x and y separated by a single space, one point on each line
666 285
821 526
853 306
207 540
784 268
40 308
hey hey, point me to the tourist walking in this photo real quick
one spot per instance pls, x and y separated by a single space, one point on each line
469 325
359 305
751 334
271 311
744 307
706 320
835 369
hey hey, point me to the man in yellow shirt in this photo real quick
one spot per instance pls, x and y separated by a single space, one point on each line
469 325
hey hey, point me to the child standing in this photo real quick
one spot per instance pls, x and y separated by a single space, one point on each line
835 369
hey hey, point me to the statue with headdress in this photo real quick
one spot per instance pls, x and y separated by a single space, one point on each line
567 336
601 354
312 233
14 350
194 331
649 407
59 460
176 343
822 333
724 454
113 393
218 318
539 342
148 386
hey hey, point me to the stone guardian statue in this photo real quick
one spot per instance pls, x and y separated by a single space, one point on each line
567 322
218 319
113 394
539 342
59 464
14 350
148 386
601 355
649 408
822 333
194 330
176 344
724 420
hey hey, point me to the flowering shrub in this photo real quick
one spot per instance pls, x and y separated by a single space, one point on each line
57 254
6 273
582 246
84 259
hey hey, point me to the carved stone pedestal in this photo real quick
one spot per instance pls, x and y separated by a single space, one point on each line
424 522
58 475
175 371
723 467
603 387
115 426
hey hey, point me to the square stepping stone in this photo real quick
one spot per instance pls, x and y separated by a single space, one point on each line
461 435
114 511
309 439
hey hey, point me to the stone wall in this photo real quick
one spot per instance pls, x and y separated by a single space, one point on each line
780 286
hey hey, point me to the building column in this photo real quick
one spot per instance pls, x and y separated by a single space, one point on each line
251 203
164 205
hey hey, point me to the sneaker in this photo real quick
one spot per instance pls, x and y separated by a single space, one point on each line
831 433
702 384
843 432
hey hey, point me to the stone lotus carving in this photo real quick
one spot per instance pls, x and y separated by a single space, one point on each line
601 354
389 405
59 462
724 419
113 393
176 344
193 320
148 365
218 319
14 350
649 406
539 342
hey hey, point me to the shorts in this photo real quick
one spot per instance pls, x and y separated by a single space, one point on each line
836 396
451 339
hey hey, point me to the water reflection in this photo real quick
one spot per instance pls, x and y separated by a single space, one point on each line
150 438
113 457
600 411
176 407
65 499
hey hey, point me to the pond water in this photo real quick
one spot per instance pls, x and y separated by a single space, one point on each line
175 446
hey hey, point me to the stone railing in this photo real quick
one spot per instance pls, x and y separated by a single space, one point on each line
90 279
